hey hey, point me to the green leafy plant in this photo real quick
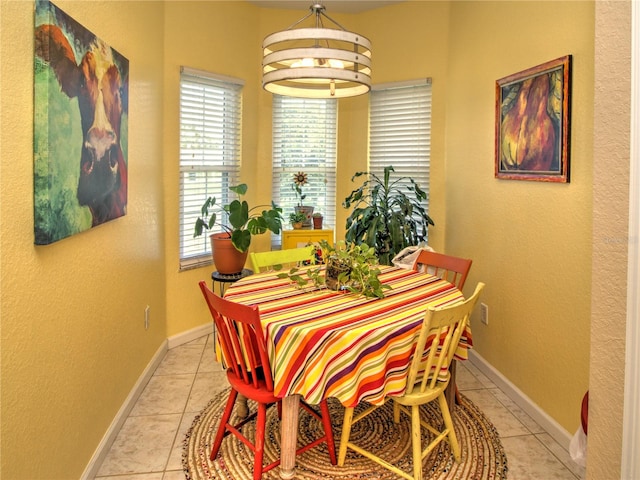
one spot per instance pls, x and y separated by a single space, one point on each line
349 267
387 214
297 217
244 221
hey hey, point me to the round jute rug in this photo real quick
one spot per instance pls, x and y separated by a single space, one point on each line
483 457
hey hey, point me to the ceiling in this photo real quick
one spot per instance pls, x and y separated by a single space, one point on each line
338 6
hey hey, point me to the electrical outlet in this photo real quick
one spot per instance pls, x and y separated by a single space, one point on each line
484 313
146 317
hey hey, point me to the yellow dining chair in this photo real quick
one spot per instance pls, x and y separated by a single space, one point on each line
427 379
454 270
264 261
447 267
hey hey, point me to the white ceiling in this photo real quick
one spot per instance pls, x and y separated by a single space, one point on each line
338 6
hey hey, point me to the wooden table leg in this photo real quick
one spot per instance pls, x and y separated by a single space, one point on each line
289 436
242 409
450 391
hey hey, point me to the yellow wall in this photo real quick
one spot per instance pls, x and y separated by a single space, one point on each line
529 240
220 37
79 336
73 337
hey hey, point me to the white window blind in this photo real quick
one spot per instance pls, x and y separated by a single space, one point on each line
305 140
210 123
400 130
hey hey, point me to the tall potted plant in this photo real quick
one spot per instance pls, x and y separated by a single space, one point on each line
231 247
388 215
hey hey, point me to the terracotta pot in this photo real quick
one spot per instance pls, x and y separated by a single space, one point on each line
317 223
226 258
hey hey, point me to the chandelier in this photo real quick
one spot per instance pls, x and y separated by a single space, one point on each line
316 62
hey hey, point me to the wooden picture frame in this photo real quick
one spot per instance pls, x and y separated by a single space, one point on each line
532 123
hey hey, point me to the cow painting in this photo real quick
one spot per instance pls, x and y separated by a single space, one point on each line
83 148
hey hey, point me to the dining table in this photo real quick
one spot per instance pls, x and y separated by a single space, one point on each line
324 343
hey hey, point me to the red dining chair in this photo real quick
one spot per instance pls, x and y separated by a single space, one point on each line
453 269
244 353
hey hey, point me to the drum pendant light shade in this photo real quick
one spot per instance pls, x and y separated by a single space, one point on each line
316 62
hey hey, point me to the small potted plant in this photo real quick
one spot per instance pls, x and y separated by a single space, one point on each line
230 247
317 220
300 179
297 219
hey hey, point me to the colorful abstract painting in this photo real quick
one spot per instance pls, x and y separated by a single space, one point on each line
81 96
532 123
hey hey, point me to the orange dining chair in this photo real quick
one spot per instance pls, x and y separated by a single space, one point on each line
447 267
244 353
455 270
427 379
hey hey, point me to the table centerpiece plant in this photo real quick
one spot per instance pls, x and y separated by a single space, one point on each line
243 223
349 267
388 215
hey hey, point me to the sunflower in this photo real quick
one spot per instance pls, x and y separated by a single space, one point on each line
300 179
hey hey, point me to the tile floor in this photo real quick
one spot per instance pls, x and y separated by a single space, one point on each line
149 445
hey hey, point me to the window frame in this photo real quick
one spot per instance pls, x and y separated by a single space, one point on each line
313 140
209 154
387 138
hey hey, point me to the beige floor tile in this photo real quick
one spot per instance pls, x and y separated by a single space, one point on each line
142 445
562 454
520 414
135 476
481 377
183 359
529 459
504 421
205 386
138 476
465 380
174 475
208 363
175 457
164 394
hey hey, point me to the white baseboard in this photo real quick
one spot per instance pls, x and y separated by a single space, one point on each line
554 429
112 432
190 335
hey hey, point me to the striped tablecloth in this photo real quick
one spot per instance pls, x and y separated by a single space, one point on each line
324 344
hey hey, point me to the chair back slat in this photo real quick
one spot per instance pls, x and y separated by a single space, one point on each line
265 261
453 269
438 340
241 338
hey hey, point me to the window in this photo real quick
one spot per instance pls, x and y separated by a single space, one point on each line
305 140
210 111
400 130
